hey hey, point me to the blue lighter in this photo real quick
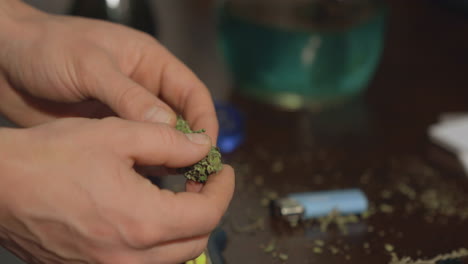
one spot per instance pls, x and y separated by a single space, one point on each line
308 205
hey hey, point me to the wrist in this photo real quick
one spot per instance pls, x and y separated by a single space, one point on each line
11 10
16 20
18 25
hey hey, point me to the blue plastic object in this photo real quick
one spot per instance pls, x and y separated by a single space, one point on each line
231 127
216 245
318 204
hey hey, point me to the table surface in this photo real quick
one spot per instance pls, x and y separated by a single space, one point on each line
377 143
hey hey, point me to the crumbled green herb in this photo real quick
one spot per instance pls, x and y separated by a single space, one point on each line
334 250
389 247
283 256
270 195
270 247
456 254
319 242
386 194
317 250
257 224
259 180
277 166
368 213
340 221
264 202
200 171
386 208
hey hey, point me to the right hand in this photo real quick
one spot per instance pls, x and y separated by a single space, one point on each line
69 193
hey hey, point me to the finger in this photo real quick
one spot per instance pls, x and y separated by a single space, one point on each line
166 216
158 144
129 99
153 171
14 106
175 252
39 110
178 86
193 214
193 186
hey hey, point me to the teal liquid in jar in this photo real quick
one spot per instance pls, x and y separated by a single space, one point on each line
308 57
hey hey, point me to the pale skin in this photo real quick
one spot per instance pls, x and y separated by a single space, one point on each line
69 192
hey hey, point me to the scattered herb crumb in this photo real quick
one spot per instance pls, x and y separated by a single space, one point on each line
386 208
259 181
256 225
368 213
456 254
317 250
386 194
270 247
264 202
277 166
389 247
319 242
339 220
334 250
283 256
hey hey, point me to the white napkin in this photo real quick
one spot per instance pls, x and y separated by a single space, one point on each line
451 133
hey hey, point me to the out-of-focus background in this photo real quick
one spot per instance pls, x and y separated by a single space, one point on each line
320 95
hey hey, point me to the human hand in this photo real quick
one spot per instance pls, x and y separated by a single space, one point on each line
71 60
69 193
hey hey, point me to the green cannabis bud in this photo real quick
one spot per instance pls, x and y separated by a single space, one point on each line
200 171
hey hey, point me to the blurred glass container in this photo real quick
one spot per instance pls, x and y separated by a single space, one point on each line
302 53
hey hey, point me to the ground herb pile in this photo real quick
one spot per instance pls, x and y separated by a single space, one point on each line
200 171
443 258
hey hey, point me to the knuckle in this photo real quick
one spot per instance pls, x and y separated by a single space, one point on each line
140 235
167 135
111 125
124 98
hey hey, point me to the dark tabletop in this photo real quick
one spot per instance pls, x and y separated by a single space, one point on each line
377 143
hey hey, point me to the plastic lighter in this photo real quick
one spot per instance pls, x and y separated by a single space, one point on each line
303 206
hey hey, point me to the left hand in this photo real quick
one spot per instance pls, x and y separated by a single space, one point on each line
85 65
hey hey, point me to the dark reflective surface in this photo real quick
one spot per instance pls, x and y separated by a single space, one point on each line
377 143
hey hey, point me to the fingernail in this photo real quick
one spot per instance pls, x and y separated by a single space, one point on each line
158 115
199 138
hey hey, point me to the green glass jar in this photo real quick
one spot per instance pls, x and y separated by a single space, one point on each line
301 53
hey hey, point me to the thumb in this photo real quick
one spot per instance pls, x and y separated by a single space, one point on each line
130 100
159 144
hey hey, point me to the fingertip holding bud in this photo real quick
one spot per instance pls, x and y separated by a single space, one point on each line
198 138
212 163
193 186
157 114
